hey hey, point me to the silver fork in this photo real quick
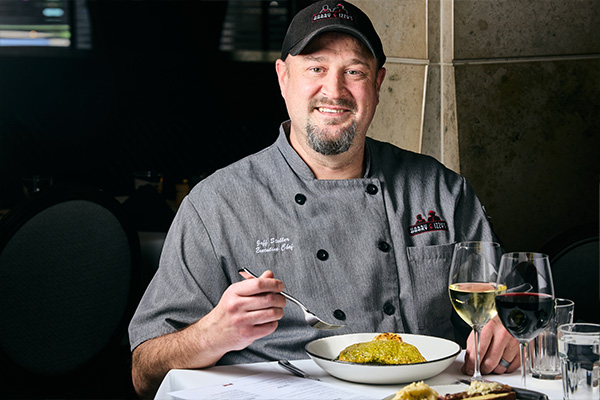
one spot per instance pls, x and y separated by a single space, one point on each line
309 317
295 370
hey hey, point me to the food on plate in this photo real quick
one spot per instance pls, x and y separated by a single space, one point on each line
475 391
484 390
388 336
416 391
385 348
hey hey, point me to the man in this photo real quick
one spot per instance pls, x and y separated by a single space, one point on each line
327 211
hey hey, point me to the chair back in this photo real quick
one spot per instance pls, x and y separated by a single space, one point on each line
69 282
574 259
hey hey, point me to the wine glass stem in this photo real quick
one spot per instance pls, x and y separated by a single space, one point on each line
524 350
477 373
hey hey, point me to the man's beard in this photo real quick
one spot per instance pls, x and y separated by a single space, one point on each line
319 141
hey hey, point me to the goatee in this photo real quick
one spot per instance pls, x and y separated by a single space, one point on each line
321 143
337 142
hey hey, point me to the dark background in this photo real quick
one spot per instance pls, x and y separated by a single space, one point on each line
153 93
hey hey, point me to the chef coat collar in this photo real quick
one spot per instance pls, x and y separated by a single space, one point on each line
297 163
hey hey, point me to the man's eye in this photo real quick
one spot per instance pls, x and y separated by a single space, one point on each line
316 69
353 72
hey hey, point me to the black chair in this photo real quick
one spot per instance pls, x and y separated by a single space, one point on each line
69 283
574 259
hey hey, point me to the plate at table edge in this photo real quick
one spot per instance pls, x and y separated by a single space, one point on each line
441 389
459 387
440 353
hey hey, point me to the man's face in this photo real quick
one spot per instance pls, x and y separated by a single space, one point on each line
331 91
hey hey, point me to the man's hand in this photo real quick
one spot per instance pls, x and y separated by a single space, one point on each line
495 344
248 310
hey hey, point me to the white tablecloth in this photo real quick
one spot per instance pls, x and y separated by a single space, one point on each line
179 379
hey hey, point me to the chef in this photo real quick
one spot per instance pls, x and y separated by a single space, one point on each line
335 215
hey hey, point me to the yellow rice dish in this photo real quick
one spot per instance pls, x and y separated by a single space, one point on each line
386 348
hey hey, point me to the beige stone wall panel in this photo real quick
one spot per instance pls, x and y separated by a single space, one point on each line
520 28
398 119
529 141
450 132
401 24
434 27
431 138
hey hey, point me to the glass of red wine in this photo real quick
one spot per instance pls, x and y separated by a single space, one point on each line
527 305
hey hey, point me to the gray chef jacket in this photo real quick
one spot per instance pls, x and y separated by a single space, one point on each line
370 253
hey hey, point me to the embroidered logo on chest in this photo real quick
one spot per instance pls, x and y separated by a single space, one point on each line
432 224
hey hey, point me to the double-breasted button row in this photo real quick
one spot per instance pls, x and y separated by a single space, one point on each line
300 199
388 308
323 255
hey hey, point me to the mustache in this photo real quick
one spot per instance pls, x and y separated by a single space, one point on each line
325 101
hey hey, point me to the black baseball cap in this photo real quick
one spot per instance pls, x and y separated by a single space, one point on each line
331 16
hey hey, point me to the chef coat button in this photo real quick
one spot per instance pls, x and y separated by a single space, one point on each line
389 308
372 189
300 198
384 246
339 314
322 255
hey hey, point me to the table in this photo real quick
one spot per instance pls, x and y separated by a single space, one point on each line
179 379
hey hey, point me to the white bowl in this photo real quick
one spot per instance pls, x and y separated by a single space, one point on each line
438 352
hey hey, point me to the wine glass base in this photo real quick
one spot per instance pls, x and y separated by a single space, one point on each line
550 377
474 379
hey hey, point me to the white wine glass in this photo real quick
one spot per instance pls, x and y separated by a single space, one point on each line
472 287
527 305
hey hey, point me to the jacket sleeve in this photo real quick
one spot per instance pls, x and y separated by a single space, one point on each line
178 295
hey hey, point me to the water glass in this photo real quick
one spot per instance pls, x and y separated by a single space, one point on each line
579 352
543 350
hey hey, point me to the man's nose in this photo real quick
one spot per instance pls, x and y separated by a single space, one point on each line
334 86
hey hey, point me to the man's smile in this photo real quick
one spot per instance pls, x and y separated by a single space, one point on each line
331 110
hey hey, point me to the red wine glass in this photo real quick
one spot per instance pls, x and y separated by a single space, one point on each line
527 305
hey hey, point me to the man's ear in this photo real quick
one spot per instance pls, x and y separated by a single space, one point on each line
282 74
380 77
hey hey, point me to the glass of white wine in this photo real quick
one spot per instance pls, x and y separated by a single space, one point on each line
473 288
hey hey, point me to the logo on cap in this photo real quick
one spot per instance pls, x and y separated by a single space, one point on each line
338 11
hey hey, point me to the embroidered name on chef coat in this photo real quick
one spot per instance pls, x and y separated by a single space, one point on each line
274 244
